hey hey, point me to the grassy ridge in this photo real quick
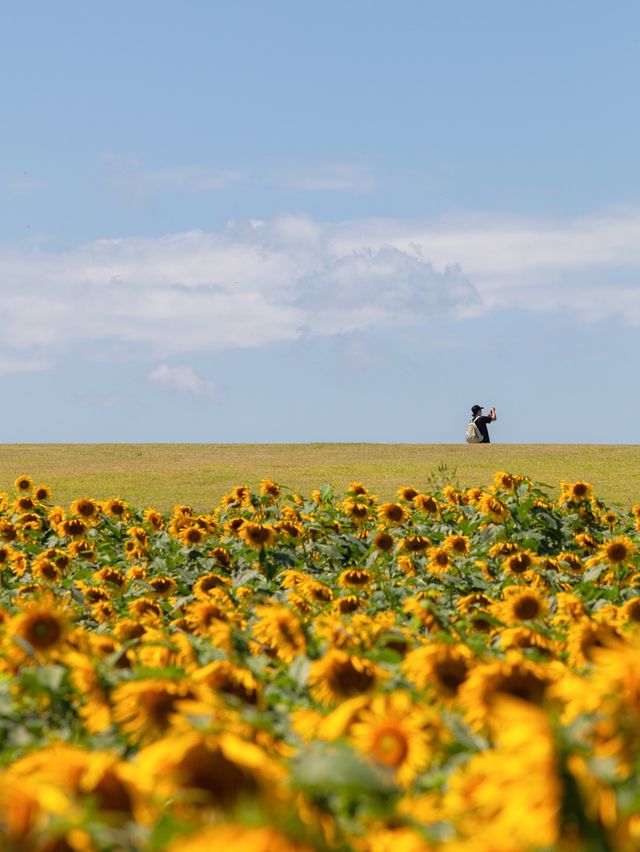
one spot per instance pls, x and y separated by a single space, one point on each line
198 474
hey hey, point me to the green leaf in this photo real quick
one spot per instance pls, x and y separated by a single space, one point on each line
299 670
338 768
594 572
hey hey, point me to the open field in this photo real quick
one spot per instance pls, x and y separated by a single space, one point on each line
198 474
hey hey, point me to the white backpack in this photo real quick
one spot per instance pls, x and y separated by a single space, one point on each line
474 435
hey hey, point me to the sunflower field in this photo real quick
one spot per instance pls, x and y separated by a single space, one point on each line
454 670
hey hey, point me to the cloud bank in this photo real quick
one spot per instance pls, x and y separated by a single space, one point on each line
183 379
256 283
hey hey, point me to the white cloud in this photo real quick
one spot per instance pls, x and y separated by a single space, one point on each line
251 284
190 179
255 283
380 289
12 364
138 181
183 379
589 265
329 177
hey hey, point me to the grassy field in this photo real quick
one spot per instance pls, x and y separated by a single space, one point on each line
198 474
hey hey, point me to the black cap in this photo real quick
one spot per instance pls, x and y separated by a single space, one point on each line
475 409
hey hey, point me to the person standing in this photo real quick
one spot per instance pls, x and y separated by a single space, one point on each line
482 421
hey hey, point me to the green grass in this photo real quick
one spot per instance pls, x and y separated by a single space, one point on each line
161 475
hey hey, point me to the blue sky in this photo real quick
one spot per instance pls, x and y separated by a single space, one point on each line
336 221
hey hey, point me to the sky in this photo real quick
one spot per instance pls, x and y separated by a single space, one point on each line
346 220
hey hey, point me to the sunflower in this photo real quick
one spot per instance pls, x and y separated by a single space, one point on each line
100 775
575 492
116 508
222 556
357 488
46 570
28 522
143 708
203 614
257 535
112 576
357 508
92 594
407 565
87 509
279 631
348 604
397 735
191 535
137 572
235 838
514 675
139 536
457 544
313 590
146 609
525 637
42 625
505 481
153 518
83 549
586 541
615 552
339 675
568 608
414 543
23 483
452 495
72 528
291 579
585 636
521 604
520 563
6 554
268 488
24 503
503 548
241 495
354 578
26 805
56 516
214 771
438 666
128 629
630 611
203 585
103 611
509 797
289 529
407 492
570 562
392 513
224 676
424 609
426 504
383 541
495 509
439 560
162 586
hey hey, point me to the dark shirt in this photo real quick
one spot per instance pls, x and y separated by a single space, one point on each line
482 422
